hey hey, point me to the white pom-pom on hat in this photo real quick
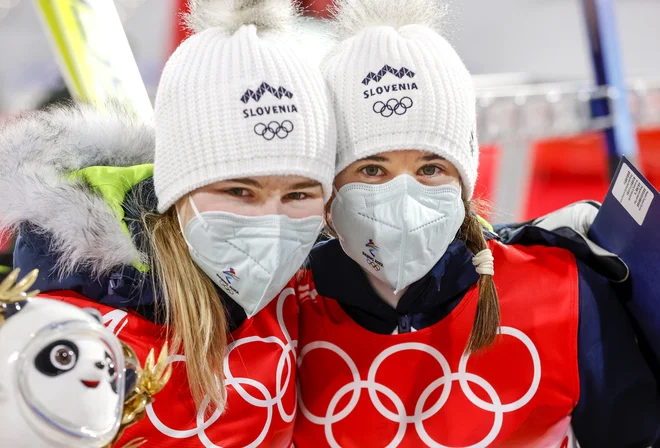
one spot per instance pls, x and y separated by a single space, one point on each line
351 16
230 15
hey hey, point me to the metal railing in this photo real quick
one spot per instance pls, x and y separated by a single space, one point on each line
512 117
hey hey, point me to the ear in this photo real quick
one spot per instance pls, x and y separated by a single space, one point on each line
130 380
183 211
131 366
327 218
96 314
7 310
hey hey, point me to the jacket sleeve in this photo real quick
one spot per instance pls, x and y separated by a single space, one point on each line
618 404
120 289
32 251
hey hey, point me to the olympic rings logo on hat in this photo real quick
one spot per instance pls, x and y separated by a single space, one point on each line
393 106
264 399
273 129
374 388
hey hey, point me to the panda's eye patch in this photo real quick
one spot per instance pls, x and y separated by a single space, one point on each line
56 358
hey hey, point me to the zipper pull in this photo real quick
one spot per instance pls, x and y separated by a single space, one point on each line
404 324
116 282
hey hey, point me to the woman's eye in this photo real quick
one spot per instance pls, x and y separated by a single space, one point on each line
429 170
238 192
372 170
297 196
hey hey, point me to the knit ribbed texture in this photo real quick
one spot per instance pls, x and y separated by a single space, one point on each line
403 89
241 105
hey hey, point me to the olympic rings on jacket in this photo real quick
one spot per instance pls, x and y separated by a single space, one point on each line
273 129
271 402
373 264
393 106
422 410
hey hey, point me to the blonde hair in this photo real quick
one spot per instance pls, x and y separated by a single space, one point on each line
487 318
193 312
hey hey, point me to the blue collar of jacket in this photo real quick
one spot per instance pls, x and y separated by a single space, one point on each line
426 301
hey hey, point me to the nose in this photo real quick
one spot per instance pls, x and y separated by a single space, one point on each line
100 364
273 206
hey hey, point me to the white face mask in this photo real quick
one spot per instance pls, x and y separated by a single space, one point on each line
251 258
397 231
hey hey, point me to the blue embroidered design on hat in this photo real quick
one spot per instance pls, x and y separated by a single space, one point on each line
403 71
263 88
274 129
393 106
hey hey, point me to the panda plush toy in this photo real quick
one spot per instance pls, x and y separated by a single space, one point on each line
62 374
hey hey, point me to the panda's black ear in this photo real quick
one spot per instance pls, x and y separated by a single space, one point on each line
131 380
95 313
9 309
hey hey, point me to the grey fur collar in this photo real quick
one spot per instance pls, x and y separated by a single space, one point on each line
38 150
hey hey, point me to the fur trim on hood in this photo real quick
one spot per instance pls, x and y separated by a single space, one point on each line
39 150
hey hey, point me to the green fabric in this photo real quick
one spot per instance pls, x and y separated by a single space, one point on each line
113 183
485 223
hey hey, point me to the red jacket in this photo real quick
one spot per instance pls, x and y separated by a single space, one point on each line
260 379
360 389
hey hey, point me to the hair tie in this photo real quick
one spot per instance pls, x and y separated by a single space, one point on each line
483 261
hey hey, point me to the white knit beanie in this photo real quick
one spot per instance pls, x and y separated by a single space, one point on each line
397 84
237 100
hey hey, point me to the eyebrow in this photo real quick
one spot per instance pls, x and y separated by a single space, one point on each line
245 181
431 157
376 159
306 184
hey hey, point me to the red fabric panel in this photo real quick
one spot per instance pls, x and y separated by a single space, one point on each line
569 170
484 190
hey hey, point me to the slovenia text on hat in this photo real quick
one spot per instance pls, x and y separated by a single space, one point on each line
397 84
237 100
